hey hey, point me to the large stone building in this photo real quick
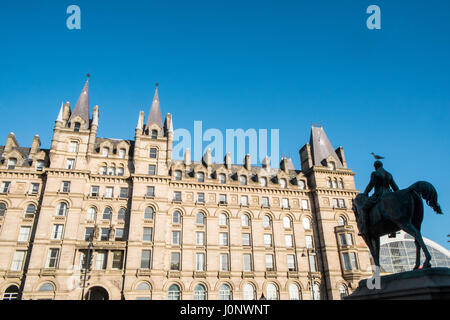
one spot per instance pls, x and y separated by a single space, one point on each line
158 228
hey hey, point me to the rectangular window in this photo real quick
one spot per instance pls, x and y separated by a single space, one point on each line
147 235
349 239
347 265
70 164
105 152
200 238
24 234
312 263
224 262
175 237
17 262
341 203
34 188
309 242
200 262
83 259
88 233
343 239
354 261
40 165
265 202
123 193
175 261
152 169
285 203
109 193
153 153
288 239
244 201
65 187
100 262
117 260
305 204
5 186
269 262
57 231
223 198
52 258
105 234
223 237
268 240
177 196
119 235
150 192
246 239
145 259
95 191
335 203
247 262
73 146
290 262
200 197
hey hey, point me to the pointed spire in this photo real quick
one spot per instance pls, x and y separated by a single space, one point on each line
82 106
321 147
155 111
140 123
60 115
187 157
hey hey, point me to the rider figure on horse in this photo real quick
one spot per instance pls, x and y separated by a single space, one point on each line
383 182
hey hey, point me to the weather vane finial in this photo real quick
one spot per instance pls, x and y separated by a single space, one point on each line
157 84
88 75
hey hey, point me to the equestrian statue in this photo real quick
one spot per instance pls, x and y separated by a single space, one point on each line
390 210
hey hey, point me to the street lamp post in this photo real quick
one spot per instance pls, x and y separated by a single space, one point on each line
88 263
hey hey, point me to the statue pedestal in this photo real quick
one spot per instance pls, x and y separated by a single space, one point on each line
426 284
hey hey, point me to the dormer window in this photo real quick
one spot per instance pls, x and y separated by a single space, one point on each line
122 153
283 183
154 134
200 177
40 165
243 180
222 178
332 165
263 182
301 184
105 152
177 175
76 127
12 162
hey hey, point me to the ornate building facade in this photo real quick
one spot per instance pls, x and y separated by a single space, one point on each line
95 218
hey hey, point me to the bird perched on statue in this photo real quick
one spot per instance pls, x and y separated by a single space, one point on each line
377 156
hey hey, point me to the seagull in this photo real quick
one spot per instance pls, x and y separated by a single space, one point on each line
377 156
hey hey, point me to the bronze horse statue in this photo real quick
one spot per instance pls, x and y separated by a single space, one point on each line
399 210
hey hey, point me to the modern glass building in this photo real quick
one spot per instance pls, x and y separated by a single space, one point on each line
399 254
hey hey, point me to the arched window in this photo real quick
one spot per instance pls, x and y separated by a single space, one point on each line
294 292
154 134
263 182
200 218
103 170
249 292
224 292
342 221
245 220
199 292
178 175
47 287
122 153
334 184
107 214
144 286
272 292
329 185
76 127
62 209
287 223
222 178
315 291
243 180
176 217
266 221
306 223
2 209
121 214
283 183
120 171
153 153
223 219
301 184
148 213
111 171
343 291
11 293
174 292
31 210
105 151
91 213
200 177
340 184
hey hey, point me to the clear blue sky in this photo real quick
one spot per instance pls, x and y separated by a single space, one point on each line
278 64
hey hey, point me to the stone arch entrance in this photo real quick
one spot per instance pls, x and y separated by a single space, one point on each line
97 293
